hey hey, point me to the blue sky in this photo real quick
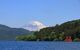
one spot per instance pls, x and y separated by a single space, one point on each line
16 13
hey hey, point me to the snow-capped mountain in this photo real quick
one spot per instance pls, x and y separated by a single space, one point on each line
35 26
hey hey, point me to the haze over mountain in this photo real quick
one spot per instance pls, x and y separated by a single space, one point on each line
8 33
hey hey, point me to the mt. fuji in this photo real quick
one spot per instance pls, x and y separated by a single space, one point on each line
35 26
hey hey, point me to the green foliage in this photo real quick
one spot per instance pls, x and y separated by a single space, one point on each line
61 36
76 40
58 32
26 38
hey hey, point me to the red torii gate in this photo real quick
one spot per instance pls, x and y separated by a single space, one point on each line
68 39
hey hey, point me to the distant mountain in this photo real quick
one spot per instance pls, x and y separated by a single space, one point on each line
35 26
8 33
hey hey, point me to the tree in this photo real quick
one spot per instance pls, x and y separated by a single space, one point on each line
61 36
76 40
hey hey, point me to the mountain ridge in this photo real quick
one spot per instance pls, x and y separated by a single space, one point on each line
67 31
8 33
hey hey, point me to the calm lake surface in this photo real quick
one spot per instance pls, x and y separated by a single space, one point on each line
23 45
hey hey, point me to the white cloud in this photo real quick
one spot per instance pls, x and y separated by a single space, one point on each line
35 25
39 24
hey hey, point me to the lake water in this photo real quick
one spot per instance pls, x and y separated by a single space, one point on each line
23 45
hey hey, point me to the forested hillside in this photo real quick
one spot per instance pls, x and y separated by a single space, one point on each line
68 30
